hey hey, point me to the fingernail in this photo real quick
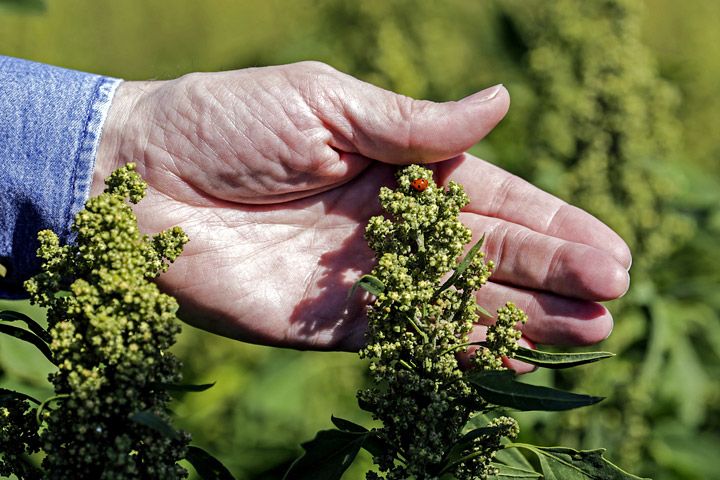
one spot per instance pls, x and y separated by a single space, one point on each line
485 95
628 286
612 326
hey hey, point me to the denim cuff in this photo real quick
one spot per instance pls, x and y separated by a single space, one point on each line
51 120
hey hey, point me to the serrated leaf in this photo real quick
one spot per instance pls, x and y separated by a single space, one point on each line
558 360
368 283
506 472
207 466
562 463
29 337
6 395
327 456
462 266
151 420
33 326
186 387
499 387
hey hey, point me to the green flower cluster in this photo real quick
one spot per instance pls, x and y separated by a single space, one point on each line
418 324
110 329
18 437
603 136
605 119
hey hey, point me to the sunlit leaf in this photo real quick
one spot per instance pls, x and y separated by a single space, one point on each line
207 466
561 463
6 395
462 266
506 472
33 326
29 337
558 360
368 283
499 387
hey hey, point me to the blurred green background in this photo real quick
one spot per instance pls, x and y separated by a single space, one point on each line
615 108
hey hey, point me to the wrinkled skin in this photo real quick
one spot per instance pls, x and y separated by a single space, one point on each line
274 172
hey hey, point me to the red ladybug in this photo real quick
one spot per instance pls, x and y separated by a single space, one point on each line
420 184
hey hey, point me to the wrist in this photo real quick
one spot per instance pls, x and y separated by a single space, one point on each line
120 132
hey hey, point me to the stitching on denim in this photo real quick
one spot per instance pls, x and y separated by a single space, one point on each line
87 148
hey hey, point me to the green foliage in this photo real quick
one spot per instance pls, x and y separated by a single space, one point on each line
604 136
266 399
431 412
109 330
23 6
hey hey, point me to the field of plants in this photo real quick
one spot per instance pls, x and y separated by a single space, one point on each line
614 109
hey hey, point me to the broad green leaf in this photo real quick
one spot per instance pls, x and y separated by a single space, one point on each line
562 463
33 326
6 395
369 283
558 360
327 456
506 472
347 425
499 387
512 457
462 266
151 420
207 466
29 337
373 442
179 387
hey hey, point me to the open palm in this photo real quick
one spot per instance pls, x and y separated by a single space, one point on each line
274 172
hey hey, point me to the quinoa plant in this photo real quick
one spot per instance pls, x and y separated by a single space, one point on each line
109 330
436 420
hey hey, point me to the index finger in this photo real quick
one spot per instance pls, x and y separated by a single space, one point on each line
496 193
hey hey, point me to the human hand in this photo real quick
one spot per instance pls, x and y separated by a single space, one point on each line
274 172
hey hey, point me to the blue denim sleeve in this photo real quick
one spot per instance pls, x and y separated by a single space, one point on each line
50 124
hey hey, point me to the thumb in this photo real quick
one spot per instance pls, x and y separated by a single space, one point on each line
392 128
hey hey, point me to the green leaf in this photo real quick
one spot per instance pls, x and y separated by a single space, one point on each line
29 337
347 425
462 266
151 420
6 395
207 466
506 472
455 454
327 456
373 442
561 463
512 457
33 326
178 387
485 312
558 360
499 387
369 283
